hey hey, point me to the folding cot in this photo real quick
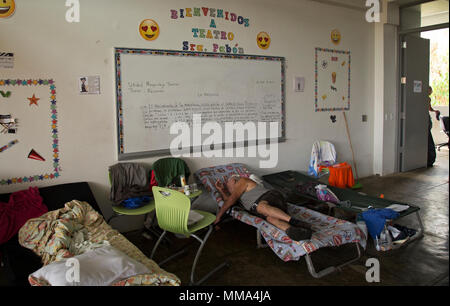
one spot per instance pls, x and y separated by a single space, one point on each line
327 230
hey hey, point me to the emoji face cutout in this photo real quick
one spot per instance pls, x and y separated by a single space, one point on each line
7 8
263 40
148 29
335 36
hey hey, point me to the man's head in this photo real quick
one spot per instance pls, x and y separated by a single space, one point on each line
232 181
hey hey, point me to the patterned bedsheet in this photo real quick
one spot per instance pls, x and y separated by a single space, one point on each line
328 231
71 230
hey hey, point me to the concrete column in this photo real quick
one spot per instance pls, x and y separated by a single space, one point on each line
386 90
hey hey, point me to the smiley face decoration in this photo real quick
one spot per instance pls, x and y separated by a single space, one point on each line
335 36
7 8
149 29
263 40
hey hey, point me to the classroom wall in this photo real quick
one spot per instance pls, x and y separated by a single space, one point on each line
46 46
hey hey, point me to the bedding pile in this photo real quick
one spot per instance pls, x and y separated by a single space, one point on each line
22 205
77 229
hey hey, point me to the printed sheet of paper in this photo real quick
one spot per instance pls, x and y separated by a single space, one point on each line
6 60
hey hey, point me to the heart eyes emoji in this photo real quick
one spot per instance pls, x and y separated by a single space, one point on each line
149 29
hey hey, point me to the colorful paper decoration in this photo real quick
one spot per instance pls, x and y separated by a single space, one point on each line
7 8
9 124
263 40
55 170
33 100
5 94
336 36
35 155
332 80
215 33
149 29
8 145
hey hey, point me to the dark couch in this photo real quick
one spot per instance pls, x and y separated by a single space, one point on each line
18 261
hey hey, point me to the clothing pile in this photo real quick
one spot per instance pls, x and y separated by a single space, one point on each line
384 235
323 153
131 184
128 181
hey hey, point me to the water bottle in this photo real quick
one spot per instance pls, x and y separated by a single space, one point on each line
186 190
182 180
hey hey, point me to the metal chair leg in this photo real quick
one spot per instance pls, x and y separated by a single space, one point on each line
209 274
157 244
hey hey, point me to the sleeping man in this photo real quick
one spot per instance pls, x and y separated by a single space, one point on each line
268 204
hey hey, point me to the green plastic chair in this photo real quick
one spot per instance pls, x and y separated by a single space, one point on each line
119 210
172 212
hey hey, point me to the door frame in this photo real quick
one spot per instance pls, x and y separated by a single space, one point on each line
401 58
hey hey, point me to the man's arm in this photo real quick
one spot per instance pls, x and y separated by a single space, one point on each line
231 199
223 192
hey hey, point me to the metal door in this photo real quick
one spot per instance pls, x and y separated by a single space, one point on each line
415 61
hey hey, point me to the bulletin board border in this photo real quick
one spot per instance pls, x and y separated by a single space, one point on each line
316 85
118 51
55 171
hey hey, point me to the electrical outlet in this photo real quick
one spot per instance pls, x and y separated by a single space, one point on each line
364 118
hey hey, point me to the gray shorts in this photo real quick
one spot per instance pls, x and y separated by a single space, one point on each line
272 197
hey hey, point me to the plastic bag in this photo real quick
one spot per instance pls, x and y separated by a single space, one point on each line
326 195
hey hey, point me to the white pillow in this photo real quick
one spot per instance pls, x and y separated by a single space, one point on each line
102 266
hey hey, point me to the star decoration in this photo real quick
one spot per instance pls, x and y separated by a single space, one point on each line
33 100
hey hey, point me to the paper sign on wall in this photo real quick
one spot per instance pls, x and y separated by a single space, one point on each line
299 84
6 60
417 86
89 85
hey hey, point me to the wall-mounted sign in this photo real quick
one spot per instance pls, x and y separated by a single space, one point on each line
6 59
222 40
332 80
89 85
417 86
299 84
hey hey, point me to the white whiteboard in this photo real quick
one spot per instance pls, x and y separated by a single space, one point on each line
156 88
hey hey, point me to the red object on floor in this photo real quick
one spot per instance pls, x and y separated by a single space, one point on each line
341 176
22 206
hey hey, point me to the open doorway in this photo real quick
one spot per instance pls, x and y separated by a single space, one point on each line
439 82
423 63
